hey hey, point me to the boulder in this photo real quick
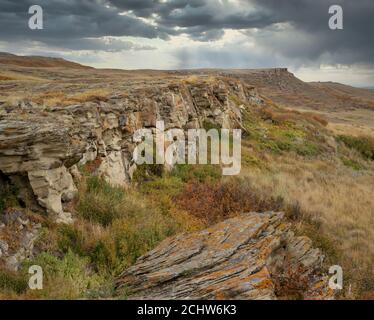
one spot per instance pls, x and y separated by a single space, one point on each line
252 256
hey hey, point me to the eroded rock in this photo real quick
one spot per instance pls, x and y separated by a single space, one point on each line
17 238
247 257
44 146
51 188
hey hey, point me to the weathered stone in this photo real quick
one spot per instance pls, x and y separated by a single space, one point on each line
240 258
74 171
42 146
51 188
22 234
113 169
10 217
3 248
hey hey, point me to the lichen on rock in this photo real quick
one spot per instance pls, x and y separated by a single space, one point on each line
247 257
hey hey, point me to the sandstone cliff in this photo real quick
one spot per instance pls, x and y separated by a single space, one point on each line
42 145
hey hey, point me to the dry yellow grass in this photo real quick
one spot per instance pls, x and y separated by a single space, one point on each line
195 79
351 129
59 98
191 79
96 94
14 76
336 199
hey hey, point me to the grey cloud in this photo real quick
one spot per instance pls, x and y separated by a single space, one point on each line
307 40
209 35
70 19
94 44
145 8
196 18
312 39
232 55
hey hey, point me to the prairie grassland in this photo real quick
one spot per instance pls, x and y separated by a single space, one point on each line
59 98
334 205
290 162
326 200
16 76
325 183
353 122
351 129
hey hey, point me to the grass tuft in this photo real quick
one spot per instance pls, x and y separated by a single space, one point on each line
363 145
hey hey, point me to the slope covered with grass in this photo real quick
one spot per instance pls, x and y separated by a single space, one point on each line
290 163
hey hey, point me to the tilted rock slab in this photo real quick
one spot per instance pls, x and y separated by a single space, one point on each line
247 257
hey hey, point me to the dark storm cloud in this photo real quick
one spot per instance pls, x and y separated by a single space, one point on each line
205 20
310 18
92 44
70 19
305 33
199 19
307 36
145 8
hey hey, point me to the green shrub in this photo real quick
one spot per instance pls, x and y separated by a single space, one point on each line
363 145
307 149
168 185
13 282
200 173
83 241
119 225
135 238
8 197
352 164
147 172
70 238
100 202
280 137
103 256
249 159
69 277
208 125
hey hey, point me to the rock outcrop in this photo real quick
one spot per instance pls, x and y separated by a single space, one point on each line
252 256
44 145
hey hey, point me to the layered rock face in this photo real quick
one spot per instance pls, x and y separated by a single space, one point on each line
43 145
252 256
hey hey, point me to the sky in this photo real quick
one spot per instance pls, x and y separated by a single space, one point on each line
183 34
